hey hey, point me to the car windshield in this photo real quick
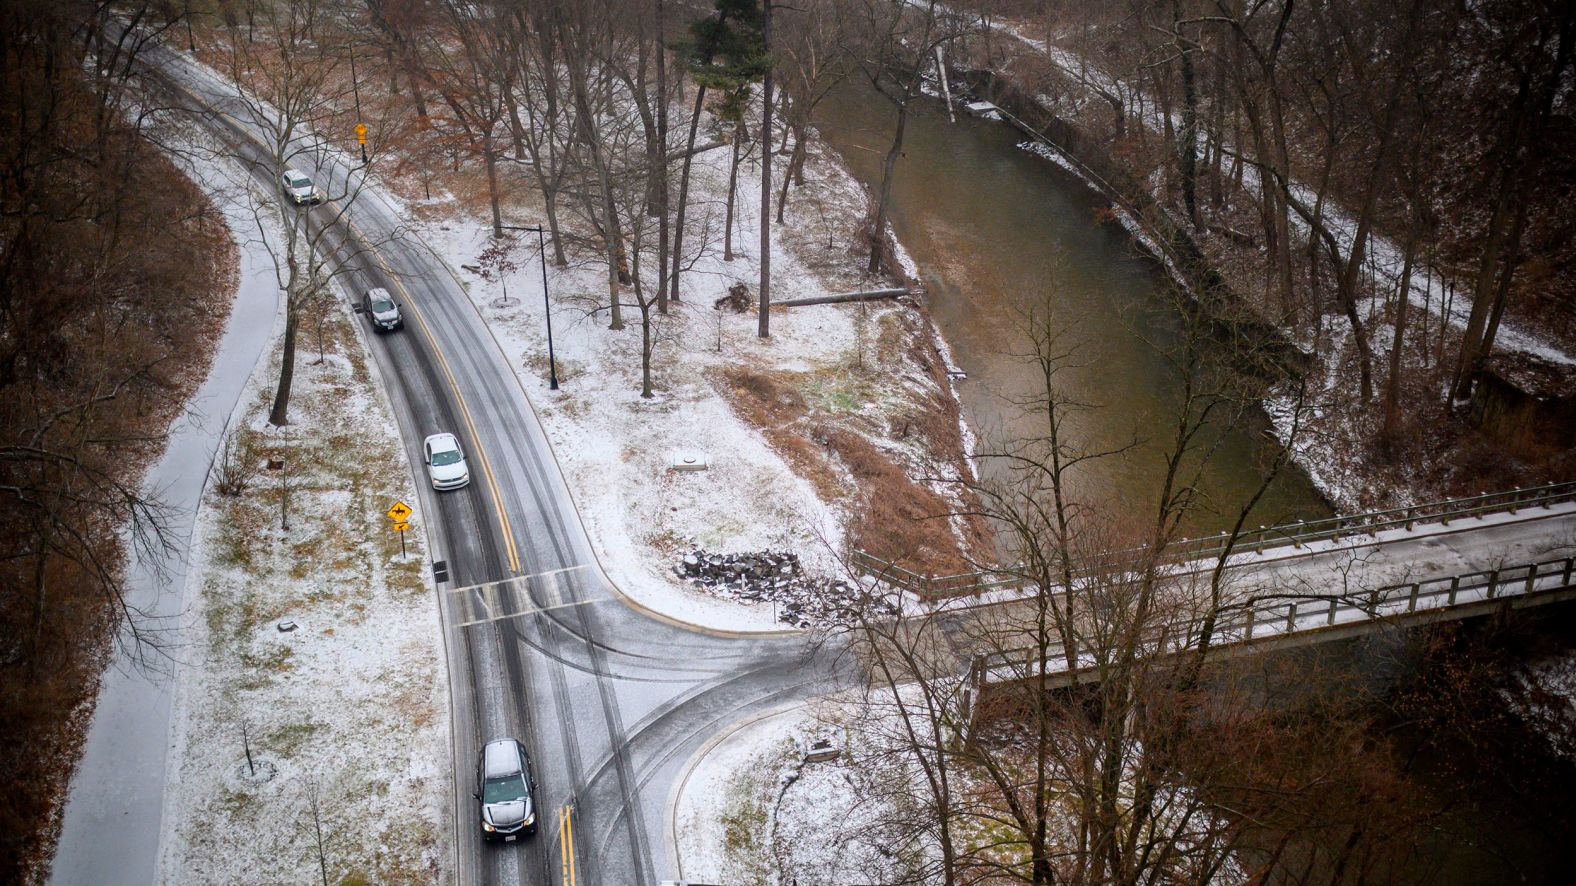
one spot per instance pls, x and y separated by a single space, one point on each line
446 457
382 304
504 790
299 181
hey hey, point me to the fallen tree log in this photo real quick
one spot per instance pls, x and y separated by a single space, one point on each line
870 295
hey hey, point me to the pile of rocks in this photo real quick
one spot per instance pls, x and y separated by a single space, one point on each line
803 600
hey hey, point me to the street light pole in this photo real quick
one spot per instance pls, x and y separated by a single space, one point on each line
541 245
355 89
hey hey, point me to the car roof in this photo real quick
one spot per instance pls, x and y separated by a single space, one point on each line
293 172
501 758
378 292
447 441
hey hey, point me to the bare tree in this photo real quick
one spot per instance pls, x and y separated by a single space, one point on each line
808 43
764 297
725 52
475 74
1085 756
1540 67
287 95
896 46
314 818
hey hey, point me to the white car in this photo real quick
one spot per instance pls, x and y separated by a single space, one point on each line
299 188
445 462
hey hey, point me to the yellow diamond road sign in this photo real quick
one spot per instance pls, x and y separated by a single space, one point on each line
401 526
399 512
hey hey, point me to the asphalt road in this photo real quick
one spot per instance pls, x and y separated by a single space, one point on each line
610 699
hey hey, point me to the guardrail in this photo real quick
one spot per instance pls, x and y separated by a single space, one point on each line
1296 535
1269 620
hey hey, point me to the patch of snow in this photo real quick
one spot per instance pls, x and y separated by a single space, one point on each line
613 444
345 712
752 810
1387 257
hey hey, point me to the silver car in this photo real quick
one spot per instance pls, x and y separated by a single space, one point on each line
505 789
299 188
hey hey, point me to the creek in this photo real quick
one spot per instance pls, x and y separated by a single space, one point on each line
997 233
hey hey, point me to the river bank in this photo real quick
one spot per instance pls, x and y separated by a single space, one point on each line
1357 457
999 234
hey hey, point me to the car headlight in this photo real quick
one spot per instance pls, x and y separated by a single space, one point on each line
488 828
529 819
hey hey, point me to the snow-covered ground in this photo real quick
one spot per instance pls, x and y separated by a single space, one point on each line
751 810
616 447
1323 449
344 713
111 815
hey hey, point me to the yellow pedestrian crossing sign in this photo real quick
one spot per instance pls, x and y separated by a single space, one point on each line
399 512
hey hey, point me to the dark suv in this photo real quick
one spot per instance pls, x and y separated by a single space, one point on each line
382 310
503 776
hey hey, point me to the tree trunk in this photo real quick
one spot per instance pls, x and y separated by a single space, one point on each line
684 176
550 201
1217 148
492 186
733 181
279 415
614 248
1282 221
764 325
1392 391
888 166
1502 291
662 164
795 164
1187 140
516 128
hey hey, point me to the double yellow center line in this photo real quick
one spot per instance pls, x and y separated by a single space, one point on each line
566 842
510 549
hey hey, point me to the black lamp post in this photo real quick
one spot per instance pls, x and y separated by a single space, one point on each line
541 244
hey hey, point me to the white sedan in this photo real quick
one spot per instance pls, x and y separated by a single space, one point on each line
445 462
299 188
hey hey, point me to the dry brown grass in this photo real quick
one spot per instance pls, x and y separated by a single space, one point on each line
896 515
778 411
899 518
46 703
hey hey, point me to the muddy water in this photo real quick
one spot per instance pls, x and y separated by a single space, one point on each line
997 232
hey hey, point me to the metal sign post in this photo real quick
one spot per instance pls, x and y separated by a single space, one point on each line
398 512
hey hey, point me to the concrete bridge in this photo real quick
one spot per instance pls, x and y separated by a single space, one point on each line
1313 582
1266 625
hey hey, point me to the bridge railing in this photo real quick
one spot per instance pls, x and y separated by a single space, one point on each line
1267 619
1297 535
